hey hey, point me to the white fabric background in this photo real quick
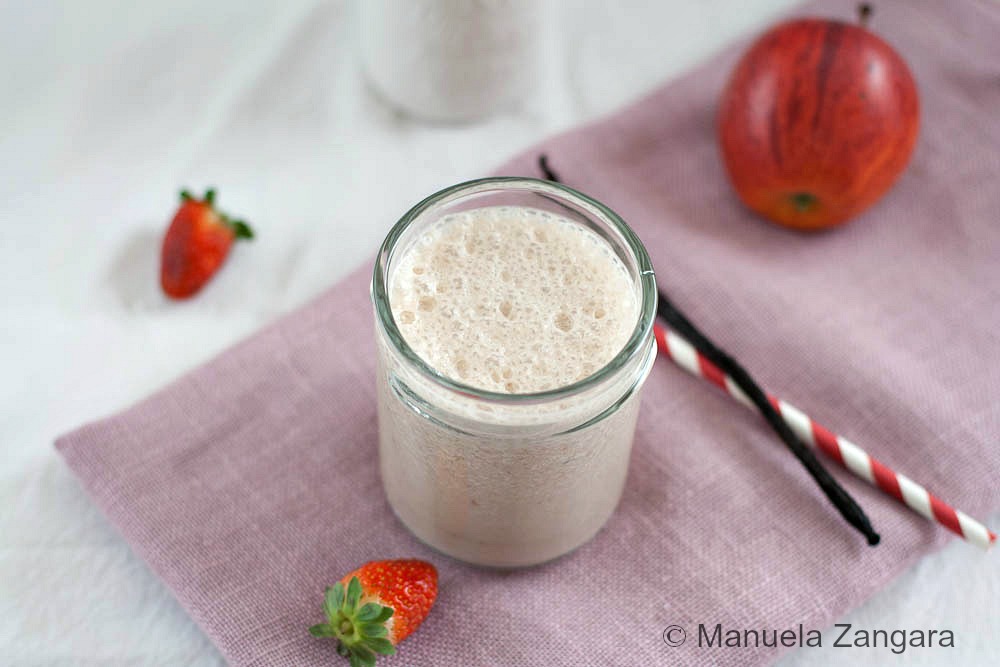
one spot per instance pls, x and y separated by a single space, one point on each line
108 108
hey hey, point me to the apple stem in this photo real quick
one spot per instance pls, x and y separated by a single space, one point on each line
864 13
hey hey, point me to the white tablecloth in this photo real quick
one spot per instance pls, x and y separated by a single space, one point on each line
108 108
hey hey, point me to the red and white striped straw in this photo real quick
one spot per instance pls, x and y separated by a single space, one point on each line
841 450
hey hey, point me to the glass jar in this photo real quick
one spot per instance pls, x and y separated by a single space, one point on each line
503 479
452 60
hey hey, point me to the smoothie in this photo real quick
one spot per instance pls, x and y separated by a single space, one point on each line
512 300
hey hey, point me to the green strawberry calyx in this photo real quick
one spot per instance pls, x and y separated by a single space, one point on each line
241 230
360 631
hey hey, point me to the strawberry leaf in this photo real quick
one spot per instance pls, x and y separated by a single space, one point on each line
373 630
241 229
369 612
353 595
384 616
322 630
338 592
333 601
380 645
364 655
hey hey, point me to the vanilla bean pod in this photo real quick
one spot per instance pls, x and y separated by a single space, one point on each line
838 496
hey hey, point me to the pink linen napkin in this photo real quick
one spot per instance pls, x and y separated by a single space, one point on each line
252 482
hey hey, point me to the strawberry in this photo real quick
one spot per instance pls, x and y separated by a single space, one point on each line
196 244
377 606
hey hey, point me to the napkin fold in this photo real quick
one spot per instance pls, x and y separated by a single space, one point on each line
252 482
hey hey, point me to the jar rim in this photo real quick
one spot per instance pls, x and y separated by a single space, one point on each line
633 347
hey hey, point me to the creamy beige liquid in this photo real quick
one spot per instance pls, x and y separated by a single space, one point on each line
512 300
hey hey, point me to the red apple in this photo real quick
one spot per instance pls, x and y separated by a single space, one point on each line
818 120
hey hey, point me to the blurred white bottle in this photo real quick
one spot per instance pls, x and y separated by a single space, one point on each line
452 60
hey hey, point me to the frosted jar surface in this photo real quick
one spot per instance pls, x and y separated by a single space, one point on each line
475 304
452 60
501 502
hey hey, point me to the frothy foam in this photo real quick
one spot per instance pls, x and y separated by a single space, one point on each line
513 299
